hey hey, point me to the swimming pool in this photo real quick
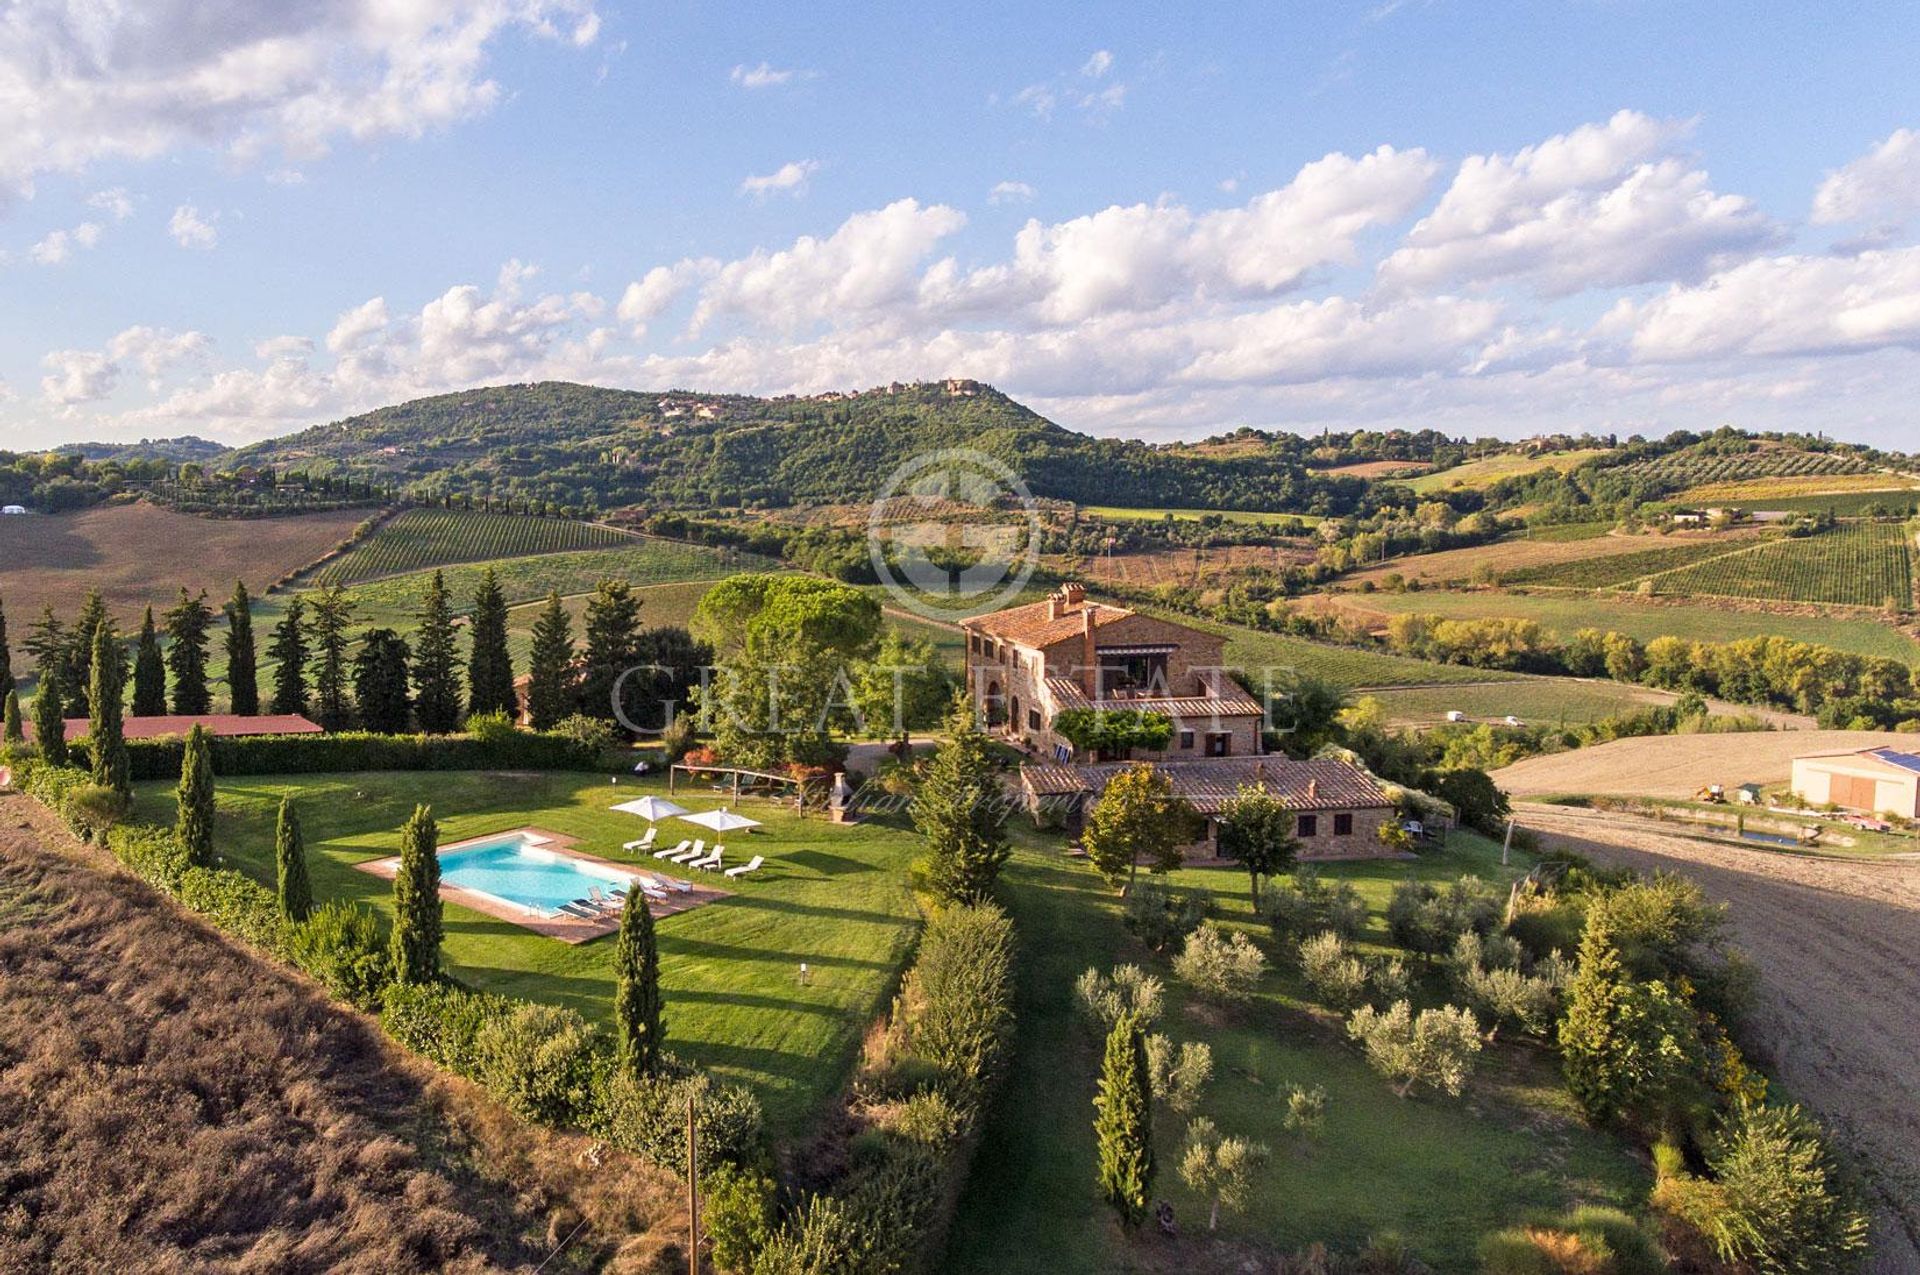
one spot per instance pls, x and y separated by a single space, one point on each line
516 868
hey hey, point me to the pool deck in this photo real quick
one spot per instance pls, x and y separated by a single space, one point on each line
563 926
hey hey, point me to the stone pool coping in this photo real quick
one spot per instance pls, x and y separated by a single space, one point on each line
563 926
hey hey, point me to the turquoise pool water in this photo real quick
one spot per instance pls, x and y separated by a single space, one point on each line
519 871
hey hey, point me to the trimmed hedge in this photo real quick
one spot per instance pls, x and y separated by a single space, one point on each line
361 750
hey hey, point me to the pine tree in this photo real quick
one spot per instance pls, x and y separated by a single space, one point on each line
490 665
107 735
436 700
243 673
416 901
380 683
49 725
11 731
1123 1126
959 809
79 663
149 673
6 653
51 647
289 650
636 1000
612 646
194 827
1627 1048
189 621
290 857
332 613
550 692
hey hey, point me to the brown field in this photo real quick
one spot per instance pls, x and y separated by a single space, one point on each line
1677 766
1188 566
169 1102
1381 468
139 553
1833 1016
1512 555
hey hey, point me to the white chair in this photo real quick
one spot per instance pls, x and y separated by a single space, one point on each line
671 851
645 843
751 865
712 861
699 851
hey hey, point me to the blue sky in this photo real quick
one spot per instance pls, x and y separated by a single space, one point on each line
1489 218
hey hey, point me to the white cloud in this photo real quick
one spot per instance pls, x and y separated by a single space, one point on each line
82 82
354 327
58 245
647 297
115 202
1601 206
790 178
1010 192
190 230
78 376
1095 101
764 76
1097 65
1882 184
157 351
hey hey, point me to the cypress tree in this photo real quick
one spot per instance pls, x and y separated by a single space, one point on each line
1123 1125
290 855
78 677
489 665
636 1000
436 684
194 827
957 809
49 725
380 683
289 649
243 672
550 693
6 653
332 612
189 622
11 731
107 734
416 901
149 673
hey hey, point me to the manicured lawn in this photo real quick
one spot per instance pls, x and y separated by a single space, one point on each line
1438 1171
834 897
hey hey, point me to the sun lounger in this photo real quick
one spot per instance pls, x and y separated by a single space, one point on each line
672 851
699 851
676 885
751 865
644 843
579 908
711 862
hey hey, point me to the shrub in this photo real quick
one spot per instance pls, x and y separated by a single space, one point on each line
1427 920
546 1063
738 1215
649 1118
958 996
1160 917
1179 1075
1104 999
1390 979
91 810
822 1239
234 903
592 735
1309 905
1335 973
1306 1111
358 751
491 729
1435 1049
1220 966
440 1021
341 945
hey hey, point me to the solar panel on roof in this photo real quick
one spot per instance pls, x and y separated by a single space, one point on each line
1905 761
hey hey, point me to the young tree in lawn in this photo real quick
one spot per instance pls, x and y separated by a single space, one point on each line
189 621
290 651
295 891
1435 1048
243 672
149 672
107 731
636 1000
11 730
1137 817
332 613
550 688
415 946
193 828
1256 831
612 646
436 680
79 660
1221 1170
380 683
49 719
490 665
1123 1126
958 808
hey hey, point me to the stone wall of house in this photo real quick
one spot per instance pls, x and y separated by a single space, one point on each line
1323 845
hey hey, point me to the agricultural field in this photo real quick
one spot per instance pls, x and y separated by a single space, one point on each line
1537 701
1563 532
1852 504
1675 766
1256 654
1863 564
1127 513
1619 570
1491 469
660 604
1186 566
136 554
1692 469
417 538
1380 468
1566 614
1764 491
1523 552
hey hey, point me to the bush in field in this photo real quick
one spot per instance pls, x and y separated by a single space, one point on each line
738 1215
93 809
1179 1074
958 997
1223 1171
1588 1239
1629 1049
1492 976
1306 1111
1310 905
1105 998
546 1063
1427 919
1220 966
1333 971
1390 979
1160 917
341 945
1436 1048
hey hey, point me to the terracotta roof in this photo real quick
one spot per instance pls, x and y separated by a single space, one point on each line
216 723
1320 784
1035 625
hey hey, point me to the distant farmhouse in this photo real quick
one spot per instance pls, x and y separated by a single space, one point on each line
1029 664
1874 781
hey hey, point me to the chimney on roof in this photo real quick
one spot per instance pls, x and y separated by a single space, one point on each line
1089 654
1313 789
1053 606
1073 594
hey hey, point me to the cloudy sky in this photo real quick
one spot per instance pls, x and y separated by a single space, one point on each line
238 220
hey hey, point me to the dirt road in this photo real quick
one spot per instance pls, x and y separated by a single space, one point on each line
1838 946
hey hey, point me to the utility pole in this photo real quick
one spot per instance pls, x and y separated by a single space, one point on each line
693 1195
1505 847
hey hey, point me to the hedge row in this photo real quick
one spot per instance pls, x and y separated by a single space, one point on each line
360 750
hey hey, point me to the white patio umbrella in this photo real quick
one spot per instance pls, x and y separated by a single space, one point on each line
652 809
721 820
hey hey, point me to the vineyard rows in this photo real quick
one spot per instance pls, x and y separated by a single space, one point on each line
1613 569
419 538
1692 469
1866 564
